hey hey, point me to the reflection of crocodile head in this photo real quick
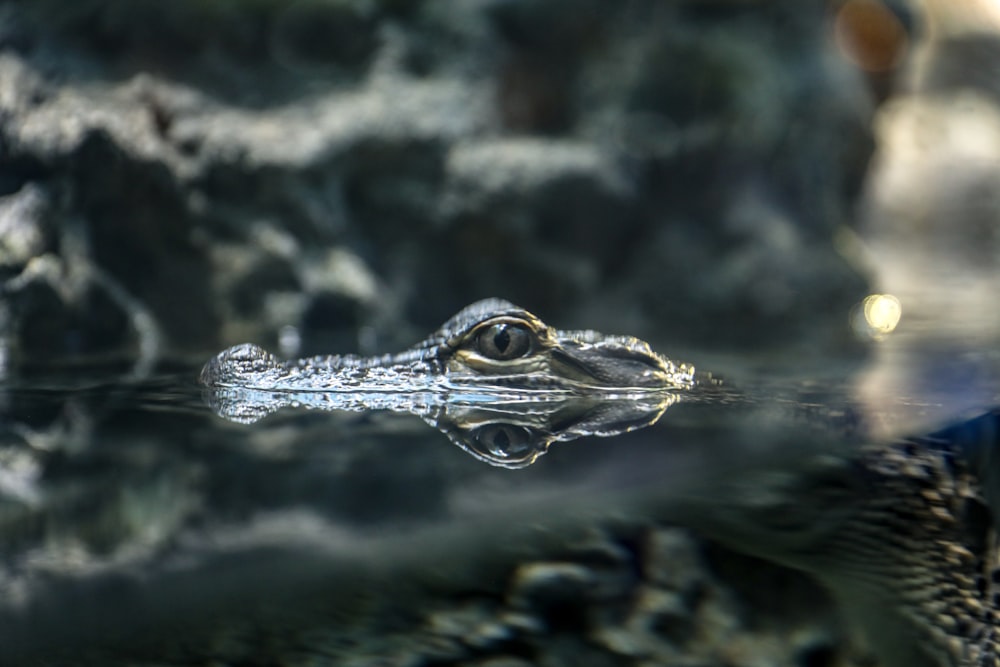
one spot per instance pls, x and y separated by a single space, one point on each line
496 379
514 435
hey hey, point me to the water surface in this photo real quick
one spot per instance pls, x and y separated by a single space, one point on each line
132 515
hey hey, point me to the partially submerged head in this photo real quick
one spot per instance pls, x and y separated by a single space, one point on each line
497 340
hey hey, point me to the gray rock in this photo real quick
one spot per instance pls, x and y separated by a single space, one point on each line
662 165
25 227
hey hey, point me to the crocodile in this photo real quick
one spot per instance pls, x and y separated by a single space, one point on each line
903 533
495 379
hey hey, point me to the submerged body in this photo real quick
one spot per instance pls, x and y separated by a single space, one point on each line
902 533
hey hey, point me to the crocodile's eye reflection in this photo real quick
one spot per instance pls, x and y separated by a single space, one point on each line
504 341
504 442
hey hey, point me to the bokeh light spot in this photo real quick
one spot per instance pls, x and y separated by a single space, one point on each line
877 316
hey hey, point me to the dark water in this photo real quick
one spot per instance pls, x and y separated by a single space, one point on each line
136 522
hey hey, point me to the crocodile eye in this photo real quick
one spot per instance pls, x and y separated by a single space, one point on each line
504 341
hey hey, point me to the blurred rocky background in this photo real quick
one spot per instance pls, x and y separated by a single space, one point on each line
336 175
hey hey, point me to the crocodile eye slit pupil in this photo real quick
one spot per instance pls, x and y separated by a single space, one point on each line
501 339
504 341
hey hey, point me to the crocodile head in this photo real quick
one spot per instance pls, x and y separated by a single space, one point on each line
498 381
494 343
491 349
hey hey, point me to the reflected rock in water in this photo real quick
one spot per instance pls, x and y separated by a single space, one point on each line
495 379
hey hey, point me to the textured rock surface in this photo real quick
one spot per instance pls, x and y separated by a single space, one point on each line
358 170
